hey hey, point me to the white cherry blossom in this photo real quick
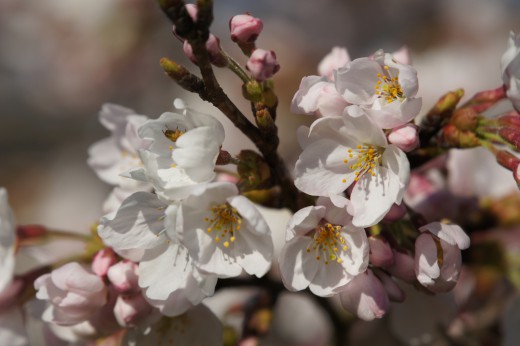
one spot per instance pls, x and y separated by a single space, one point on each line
184 149
383 87
118 153
224 232
340 152
324 251
143 230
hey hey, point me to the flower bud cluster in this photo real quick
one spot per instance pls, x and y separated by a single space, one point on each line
104 301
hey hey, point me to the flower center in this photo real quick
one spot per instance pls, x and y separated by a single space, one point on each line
173 135
328 243
388 87
225 222
364 159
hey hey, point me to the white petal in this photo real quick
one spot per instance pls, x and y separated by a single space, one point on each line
253 252
355 259
426 263
450 233
304 220
357 80
137 224
298 268
397 163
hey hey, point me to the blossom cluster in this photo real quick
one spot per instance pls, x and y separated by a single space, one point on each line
368 197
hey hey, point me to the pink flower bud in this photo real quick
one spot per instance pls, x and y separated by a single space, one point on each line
262 64
74 294
435 274
123 276
245 28
365 296
130 311
404 137
103 260
213 48
337 58
380 254
396 212
403 267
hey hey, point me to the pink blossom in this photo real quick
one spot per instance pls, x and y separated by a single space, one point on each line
245 28
102 261
317 96
73 293
365 296
262 64
405 137
337 58
403 267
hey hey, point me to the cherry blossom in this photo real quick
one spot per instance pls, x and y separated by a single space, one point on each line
144 231
324 251
510 64
383 87
340 152
183 152
224 232
118 153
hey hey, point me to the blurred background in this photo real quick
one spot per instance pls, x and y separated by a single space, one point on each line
61 60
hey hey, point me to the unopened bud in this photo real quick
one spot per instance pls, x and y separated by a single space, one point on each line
380 254
213 47
123 276
262 64
508 160
223 158
403 267
405 137
465 119
245 28
459 139
511 119
446 103
102 261
511 135
264 119
130 311
252 91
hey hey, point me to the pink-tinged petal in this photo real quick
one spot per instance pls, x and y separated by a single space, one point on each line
132 310
450 269
357 81
337 58
450 233
426 261
331 103
137 224
365 297
381 254
405 137
305 101
103 260
304 220
123 276
408 80
402 56
73 277
297 266
389 115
